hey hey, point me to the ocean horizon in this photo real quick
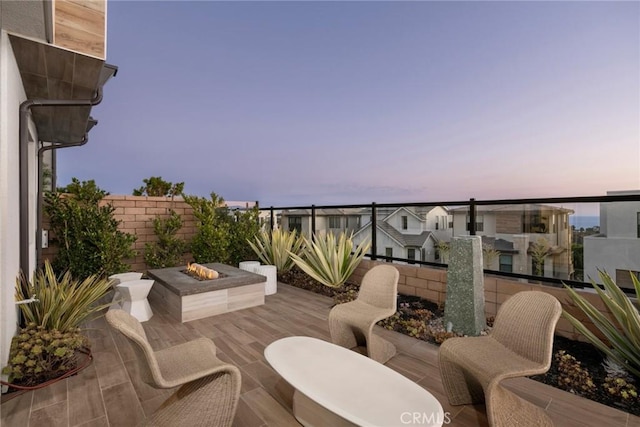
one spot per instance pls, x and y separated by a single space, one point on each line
584 221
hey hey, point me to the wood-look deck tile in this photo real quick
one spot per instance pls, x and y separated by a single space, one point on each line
268 409
241 337
16 410
55 393
262 373
410 367
56 415
248 382
123 407
238 335
585 411
633 421
98 422
239 354
255 323
470 415
84 396
143 390
110 375
124 346
424 351
246 417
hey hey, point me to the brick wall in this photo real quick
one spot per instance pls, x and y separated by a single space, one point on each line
136 214
430 283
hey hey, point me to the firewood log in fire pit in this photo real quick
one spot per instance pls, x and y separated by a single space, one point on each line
201 271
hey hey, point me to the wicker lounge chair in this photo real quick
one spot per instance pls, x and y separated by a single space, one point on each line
520 344
351 324
209 390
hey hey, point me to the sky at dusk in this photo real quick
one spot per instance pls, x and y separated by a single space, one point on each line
294 103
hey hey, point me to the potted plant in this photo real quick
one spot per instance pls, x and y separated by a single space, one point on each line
53 308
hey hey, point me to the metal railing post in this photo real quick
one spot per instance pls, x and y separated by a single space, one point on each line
472 217
374 229
313 222
272 219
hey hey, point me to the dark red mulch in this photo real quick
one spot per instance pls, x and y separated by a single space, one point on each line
589 357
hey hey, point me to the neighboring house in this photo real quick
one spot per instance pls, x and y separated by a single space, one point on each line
327 221
407 232
515 230
52 53
616 249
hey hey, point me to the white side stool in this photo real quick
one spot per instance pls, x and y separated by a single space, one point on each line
271 273
135 301
116 279
249 266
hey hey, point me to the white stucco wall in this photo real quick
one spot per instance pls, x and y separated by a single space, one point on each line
610 254
11 95
618 245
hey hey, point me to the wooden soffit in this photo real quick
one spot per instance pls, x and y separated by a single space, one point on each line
52 73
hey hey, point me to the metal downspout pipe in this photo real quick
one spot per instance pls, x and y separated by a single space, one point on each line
39 200
25 109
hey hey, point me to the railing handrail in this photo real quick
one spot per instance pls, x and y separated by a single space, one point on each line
473 205
539 200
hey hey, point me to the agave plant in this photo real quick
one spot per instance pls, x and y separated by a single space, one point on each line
60 304
273 248
330 261
622 333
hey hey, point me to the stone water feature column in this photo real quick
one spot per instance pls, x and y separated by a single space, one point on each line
464 306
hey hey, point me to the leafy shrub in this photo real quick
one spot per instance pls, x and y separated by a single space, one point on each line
168 250
244 226
211 242
622 333
330 261
38 355
222 235
274 247
86 232
156 186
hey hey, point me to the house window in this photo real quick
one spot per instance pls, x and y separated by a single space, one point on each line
353 222
295 224
638 221
388 252
411 254
506 263
405 222
479 223
334 221
450 220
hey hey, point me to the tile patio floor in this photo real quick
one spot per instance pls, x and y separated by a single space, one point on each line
108 392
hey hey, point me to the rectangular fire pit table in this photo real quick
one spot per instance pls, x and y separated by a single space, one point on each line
187 298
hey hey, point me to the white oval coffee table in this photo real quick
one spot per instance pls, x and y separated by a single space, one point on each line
339 387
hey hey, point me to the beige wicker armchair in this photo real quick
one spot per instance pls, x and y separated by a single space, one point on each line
209 390
351 324
520 344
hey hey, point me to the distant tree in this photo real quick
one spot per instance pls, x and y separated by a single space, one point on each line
577 253
539 251
156 186
489 255
443 249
